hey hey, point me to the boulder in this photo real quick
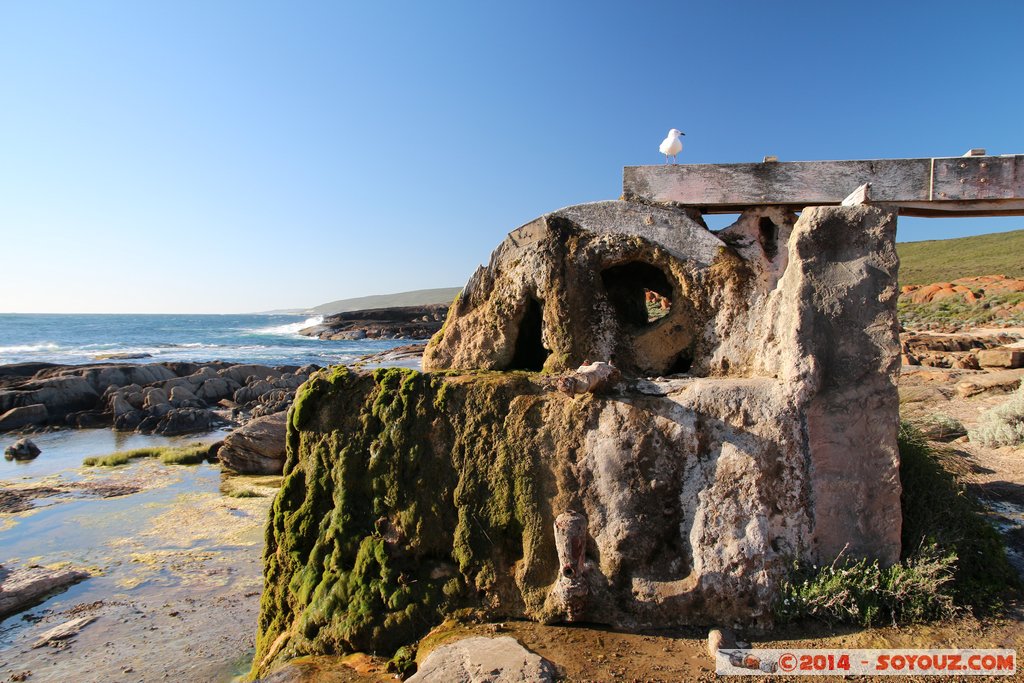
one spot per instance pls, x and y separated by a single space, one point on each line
201 375
16 418
154 396
256 448
240 373
999 381
22 588
60 395
102 376
182 397
253 391
214 389
478 659
181 421
22 449
1002 357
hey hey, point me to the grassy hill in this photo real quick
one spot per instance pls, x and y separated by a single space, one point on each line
419 297
1001 253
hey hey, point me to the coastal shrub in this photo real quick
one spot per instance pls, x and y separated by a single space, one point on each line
864 593
1000 308
169 455
941 427
937 509
952 557
1004 424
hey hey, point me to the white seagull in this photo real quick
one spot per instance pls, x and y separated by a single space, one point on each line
671 145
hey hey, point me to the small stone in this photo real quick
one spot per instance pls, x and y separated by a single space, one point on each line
718 639
22 449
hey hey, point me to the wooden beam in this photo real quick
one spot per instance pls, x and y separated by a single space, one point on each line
948 186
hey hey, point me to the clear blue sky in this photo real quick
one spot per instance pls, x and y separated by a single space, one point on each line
241 156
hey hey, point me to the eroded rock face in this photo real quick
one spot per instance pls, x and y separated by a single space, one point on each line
407 496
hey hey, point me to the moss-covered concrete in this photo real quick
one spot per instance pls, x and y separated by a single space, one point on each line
406 497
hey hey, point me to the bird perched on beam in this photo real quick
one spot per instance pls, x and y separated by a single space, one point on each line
671 145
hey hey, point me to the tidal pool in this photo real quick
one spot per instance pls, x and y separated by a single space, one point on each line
176 565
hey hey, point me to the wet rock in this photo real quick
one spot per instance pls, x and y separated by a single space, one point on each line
16 418
22 588
473 660
256 448
22 449
63 631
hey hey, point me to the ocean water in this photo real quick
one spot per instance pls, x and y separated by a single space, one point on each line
264 339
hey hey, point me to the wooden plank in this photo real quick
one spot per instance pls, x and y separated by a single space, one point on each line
962 186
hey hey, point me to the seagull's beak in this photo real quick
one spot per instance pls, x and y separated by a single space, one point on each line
682 133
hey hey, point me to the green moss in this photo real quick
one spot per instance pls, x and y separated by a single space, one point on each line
185 455
169 455
403 494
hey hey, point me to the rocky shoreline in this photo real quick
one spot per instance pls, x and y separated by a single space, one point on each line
158 398
403 322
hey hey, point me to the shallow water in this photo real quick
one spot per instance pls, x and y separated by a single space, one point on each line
176 566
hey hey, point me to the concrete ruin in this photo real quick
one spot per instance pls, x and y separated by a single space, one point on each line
754 425
782 345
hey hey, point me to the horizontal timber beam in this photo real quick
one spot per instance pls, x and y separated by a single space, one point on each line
946 186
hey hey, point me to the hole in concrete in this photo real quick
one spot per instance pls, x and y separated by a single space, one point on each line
640 292
681 364
769 236
530 353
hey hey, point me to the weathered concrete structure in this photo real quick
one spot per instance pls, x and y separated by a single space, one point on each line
755 425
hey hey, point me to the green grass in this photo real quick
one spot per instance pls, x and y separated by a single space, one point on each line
192 454
952 557
922 263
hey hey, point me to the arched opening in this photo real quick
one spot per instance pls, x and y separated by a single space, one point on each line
768 233
641 293
530 353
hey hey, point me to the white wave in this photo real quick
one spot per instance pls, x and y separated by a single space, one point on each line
29 348
290 328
